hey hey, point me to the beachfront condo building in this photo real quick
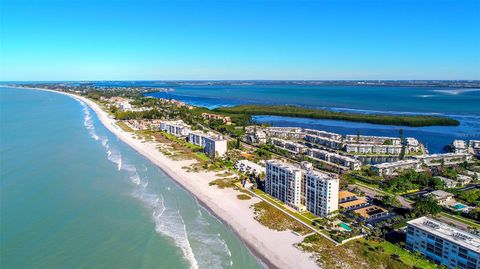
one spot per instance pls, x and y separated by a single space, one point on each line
302 187
443 244
321 192
176 128
213 145
284 182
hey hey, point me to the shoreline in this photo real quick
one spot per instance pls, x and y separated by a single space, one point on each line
277 250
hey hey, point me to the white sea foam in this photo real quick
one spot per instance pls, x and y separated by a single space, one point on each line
456 91
170 223
213 251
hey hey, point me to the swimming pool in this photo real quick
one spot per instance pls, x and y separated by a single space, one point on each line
459 206
345 226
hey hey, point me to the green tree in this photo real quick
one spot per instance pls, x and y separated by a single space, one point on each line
426 206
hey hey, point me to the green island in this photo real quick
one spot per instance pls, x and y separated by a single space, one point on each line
302 112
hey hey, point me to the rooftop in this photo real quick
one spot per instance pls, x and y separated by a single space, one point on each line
395 164
357 202
345 194
439 194
369 211
447 232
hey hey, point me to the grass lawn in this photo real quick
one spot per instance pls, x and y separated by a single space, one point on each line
202 156
275 219
405 256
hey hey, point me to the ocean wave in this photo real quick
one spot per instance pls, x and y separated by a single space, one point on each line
456 91
211 249
170 223
425 95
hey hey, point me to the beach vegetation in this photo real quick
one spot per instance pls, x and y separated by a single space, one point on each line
225 182
362 253
275 219
244 196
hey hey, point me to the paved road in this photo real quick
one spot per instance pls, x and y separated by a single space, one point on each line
371 192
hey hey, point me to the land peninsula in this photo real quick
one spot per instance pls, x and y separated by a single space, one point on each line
302 112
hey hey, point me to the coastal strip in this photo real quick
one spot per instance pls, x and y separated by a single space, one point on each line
275 249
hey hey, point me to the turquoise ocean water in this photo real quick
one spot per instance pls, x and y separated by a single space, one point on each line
74 196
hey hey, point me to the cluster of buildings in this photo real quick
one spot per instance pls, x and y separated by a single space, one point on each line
360 207
122 103
338 152
443 244
419 161
302 188
461 146
175 102
213 145
210 116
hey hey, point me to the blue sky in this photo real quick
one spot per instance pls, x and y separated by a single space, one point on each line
147 40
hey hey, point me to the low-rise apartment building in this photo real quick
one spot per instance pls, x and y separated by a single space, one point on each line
474 147
389 169
367 139
176 128
213 145
373 149
459 146
325 134
331 157
443 159
290 146
324 141
285 132
443 244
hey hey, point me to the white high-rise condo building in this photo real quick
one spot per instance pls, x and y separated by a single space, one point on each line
301 187
321 193
284 182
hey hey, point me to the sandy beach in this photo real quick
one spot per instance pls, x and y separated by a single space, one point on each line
276 249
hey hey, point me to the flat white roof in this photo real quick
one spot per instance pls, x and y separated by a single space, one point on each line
395 164
440 155
443 230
